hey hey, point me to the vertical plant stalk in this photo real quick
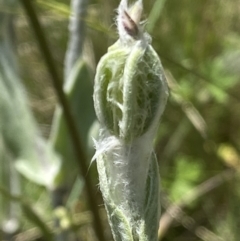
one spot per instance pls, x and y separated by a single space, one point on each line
57 82
73 53
77 34
130 95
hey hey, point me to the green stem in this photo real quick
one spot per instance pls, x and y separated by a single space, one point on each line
57 82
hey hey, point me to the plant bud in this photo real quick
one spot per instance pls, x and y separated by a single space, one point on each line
130 90
130 94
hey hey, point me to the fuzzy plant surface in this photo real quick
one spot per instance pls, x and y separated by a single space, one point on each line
130 94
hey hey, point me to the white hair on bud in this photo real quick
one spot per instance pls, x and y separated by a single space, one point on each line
104 145
128 20
136 11
129 24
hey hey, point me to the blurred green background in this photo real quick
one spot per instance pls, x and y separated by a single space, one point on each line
198 142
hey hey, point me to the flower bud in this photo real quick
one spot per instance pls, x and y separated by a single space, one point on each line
130 94
130 89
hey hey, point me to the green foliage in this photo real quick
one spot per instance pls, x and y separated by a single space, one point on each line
78 90
187 174
198 42
20 135
29 212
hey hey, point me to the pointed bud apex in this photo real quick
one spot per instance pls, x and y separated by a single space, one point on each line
130 94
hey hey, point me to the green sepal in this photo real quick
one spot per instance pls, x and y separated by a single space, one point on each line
152 203
129 80
107 87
